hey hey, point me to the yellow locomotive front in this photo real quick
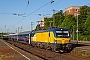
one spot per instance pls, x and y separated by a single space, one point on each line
62 39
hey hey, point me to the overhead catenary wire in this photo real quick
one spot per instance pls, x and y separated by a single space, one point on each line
26 10
34 11
26 7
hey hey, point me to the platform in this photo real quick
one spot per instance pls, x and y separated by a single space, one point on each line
82 48
9 52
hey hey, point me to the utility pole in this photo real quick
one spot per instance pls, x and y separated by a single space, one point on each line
5 29
18 29
73 31
8 31
53 17
1 34
50 23
77 28
21 29
32 26
18 33
52 1
38 24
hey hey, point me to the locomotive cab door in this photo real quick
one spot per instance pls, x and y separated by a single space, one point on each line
49 38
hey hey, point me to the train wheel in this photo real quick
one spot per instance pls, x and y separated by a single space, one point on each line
69 46
45 47
54 48
41 46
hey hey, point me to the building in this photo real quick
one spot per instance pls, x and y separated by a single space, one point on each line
74 10
42 22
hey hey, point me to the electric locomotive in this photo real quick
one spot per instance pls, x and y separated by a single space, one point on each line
56 39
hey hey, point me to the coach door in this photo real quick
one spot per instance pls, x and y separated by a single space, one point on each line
29 39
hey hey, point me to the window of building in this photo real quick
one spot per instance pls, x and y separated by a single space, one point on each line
75 14
76 10
69 10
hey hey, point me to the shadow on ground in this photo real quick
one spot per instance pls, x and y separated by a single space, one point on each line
78 45
74 45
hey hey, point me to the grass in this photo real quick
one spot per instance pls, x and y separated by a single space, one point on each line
79 53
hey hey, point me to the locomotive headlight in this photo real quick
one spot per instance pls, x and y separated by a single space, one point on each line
55 41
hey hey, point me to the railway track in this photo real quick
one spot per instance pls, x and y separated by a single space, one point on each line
46 54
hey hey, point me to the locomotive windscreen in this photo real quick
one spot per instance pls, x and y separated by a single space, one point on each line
62 34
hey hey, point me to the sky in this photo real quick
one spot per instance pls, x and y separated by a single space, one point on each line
18 14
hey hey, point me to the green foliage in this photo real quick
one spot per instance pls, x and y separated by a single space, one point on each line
79 53
68 22
88 56
87 24
85 11
47 22
58 20
37 27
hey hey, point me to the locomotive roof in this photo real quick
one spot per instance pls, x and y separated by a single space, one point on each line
27 32
58 29
52 29
10 34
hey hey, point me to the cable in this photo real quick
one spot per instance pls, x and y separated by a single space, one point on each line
34 11
6 13
40 8
26 7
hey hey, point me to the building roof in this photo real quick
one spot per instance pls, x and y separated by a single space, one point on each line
72 7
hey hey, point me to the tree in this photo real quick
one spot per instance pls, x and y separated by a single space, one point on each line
82 18
68 22
58 17
87 24
37 27
84 11
47 22
87 28
58 20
